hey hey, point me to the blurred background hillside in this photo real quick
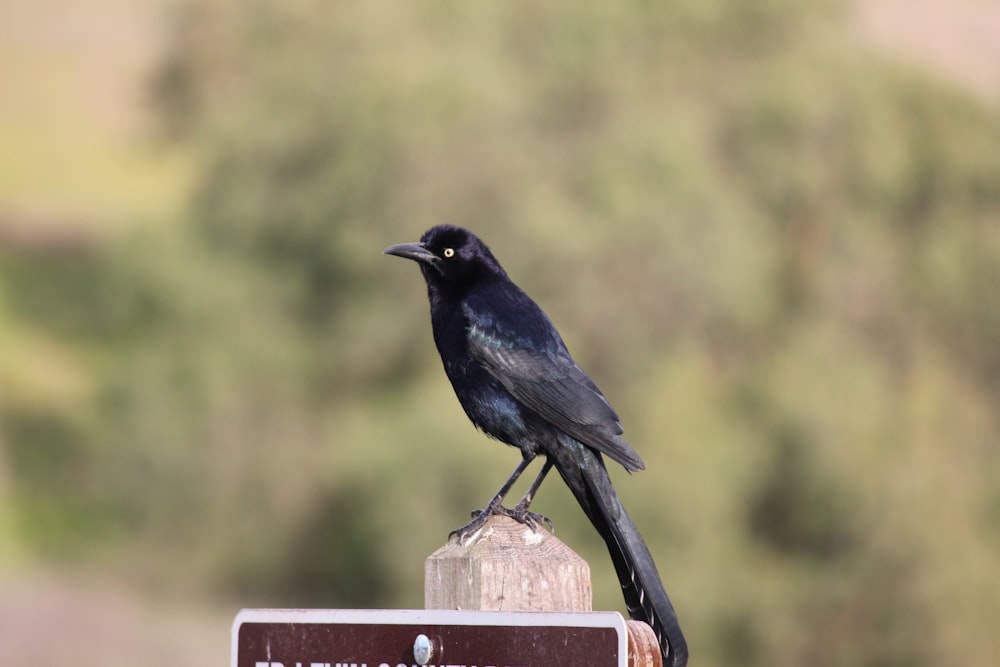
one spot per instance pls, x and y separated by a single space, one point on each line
770 231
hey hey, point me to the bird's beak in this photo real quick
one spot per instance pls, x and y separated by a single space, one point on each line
415 251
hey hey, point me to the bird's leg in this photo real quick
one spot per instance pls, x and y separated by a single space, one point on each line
520 511
495 505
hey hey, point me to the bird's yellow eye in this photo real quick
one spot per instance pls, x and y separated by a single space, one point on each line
449 252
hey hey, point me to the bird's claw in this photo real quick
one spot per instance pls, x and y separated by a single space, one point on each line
530 519
478 519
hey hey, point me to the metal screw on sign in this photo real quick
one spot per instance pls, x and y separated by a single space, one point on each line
424 649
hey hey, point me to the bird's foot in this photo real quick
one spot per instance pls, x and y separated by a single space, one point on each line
479 518
519 513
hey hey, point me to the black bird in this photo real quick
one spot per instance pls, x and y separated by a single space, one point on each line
517 383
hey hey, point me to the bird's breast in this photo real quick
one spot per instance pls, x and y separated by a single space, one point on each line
490 407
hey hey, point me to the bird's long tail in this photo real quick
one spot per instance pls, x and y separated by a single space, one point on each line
584 472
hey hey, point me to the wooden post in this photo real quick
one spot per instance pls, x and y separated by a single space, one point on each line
508 566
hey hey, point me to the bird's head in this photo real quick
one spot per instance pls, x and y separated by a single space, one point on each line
450 257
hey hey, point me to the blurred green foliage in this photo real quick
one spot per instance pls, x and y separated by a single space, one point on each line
778 256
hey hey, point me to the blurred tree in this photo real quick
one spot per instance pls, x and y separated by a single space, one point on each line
798 510
783 257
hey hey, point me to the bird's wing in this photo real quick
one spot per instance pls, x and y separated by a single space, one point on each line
549 382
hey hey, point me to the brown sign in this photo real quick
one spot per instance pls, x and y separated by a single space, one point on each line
438 638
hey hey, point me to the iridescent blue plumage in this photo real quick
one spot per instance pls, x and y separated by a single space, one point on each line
517 382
